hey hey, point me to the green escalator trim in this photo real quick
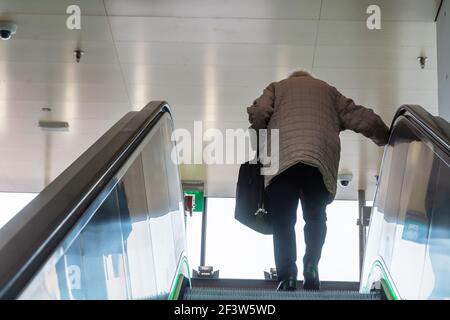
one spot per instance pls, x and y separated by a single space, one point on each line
387 289
176 288
386 284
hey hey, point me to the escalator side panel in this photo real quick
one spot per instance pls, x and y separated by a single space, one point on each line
88 235
127 248
412 200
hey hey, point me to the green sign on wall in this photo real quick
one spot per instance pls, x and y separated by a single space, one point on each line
197 202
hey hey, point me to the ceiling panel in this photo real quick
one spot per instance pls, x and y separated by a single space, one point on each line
75 92
355 33
23 139
391 10
237 113
57 7
185 112
387 101
53 27
378 90
209 59
236 118
51 151
62 110
290 9
56 51
205 54
372 56
379 79
22 166
294 32
66 73
215 75
19 173
25 126
194 95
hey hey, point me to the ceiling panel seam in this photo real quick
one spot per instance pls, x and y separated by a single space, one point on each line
317 36
116 53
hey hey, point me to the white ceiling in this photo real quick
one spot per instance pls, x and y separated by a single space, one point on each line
209 59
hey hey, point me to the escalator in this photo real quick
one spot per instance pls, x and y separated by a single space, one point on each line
408 245
226 289
233 294
112 226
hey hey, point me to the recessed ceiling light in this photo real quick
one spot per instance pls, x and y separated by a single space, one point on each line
54 125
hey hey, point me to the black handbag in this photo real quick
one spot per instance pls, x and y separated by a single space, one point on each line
251 199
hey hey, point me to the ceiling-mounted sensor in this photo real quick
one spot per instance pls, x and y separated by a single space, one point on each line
422 60
78 54
7 29
54 125
344 179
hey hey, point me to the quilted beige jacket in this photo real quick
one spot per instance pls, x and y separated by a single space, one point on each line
310 114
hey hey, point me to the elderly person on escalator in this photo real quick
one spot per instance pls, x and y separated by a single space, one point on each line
310 114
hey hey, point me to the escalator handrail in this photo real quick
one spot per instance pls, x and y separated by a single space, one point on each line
436 128
31 236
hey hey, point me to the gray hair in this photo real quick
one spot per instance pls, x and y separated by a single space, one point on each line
296 72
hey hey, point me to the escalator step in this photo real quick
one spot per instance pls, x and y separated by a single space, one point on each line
252 294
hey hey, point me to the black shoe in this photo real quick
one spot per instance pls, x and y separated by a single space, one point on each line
311 277
290 284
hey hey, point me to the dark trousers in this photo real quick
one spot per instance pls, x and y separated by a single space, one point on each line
305 183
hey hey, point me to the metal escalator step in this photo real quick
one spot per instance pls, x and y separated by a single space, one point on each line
252 294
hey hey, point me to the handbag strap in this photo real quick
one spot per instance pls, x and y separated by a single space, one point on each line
257 145
262 187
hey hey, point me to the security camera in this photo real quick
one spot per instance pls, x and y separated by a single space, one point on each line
344 179
7 29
